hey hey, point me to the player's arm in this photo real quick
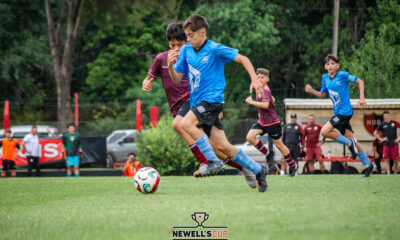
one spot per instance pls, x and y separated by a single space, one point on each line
255 83
362 101
378 135
310 89
172 57
148 83
264 105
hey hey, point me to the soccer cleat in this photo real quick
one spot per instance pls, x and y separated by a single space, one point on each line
202 168
292 170
369 169
262 178
213 168
353 148
250 177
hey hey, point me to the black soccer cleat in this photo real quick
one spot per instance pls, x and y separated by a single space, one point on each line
292 170
353 148
369 169
213 168
262 178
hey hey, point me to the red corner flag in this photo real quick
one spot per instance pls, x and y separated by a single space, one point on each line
153 116
6 119
139 121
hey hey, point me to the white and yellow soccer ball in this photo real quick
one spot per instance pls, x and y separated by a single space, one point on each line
147 180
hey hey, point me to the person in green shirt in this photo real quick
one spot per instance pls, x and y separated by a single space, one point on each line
72 149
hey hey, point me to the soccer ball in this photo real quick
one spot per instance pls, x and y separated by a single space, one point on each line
146 180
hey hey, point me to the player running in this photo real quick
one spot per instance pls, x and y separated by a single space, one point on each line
178 99
336 84
268 122
202 61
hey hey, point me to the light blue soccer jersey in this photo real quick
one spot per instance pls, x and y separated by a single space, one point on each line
205 70
338 91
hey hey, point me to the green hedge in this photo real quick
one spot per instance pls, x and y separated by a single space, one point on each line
164 150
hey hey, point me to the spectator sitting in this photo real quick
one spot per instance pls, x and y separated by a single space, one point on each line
131 165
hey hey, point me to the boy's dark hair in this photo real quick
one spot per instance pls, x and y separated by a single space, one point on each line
34 126
195 22
332 57
8 130
263 71
176 31
71 124
132 153
386 112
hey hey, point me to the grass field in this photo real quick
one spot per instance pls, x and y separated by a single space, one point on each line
303 207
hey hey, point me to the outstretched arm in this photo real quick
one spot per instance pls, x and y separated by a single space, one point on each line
314 92
255 83
172 57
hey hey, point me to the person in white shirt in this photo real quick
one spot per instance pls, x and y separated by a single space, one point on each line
31 146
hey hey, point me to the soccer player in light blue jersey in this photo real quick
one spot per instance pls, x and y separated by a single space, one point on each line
202 61
336 84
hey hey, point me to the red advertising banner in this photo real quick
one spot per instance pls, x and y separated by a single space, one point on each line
49 150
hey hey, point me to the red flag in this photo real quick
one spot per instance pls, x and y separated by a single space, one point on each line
76 109
153 115
6 119
139 121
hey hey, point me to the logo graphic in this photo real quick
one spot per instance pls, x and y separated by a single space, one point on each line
205 59
200 232
372 121
200 217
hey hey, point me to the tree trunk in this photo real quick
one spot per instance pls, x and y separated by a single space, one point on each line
62 61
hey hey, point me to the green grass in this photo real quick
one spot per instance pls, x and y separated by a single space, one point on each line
303 207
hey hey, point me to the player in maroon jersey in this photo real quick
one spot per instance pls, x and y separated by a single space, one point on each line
312 144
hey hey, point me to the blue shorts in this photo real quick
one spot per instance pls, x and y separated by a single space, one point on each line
72 161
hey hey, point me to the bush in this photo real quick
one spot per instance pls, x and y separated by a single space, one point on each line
164 150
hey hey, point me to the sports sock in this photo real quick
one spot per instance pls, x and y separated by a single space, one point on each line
69 175
206 149
343 140
363 158
77 175
260 146
198 154
289 160
233 163
247 162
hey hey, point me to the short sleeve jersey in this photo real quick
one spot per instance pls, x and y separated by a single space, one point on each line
72 144
32 144
389 130
177 93
9 147
267 116
311 135
292 134
338 91
205 70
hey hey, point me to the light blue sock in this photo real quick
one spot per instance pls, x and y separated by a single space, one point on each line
247 162
77 175
363 157
206 149
69 175
343 140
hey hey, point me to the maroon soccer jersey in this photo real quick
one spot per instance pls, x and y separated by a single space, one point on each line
311 135
177 93
267 116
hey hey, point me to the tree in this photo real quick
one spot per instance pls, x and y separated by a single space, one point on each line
71 11
377 60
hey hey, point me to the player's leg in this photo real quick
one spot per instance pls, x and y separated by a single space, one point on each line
360 152
252 138
189 124
221 143
12 168
318 157
5 168
285 152
395 156
387 165
310 159
38 174
76 166
177 125
30 163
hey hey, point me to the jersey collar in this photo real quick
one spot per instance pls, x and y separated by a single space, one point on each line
198 50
